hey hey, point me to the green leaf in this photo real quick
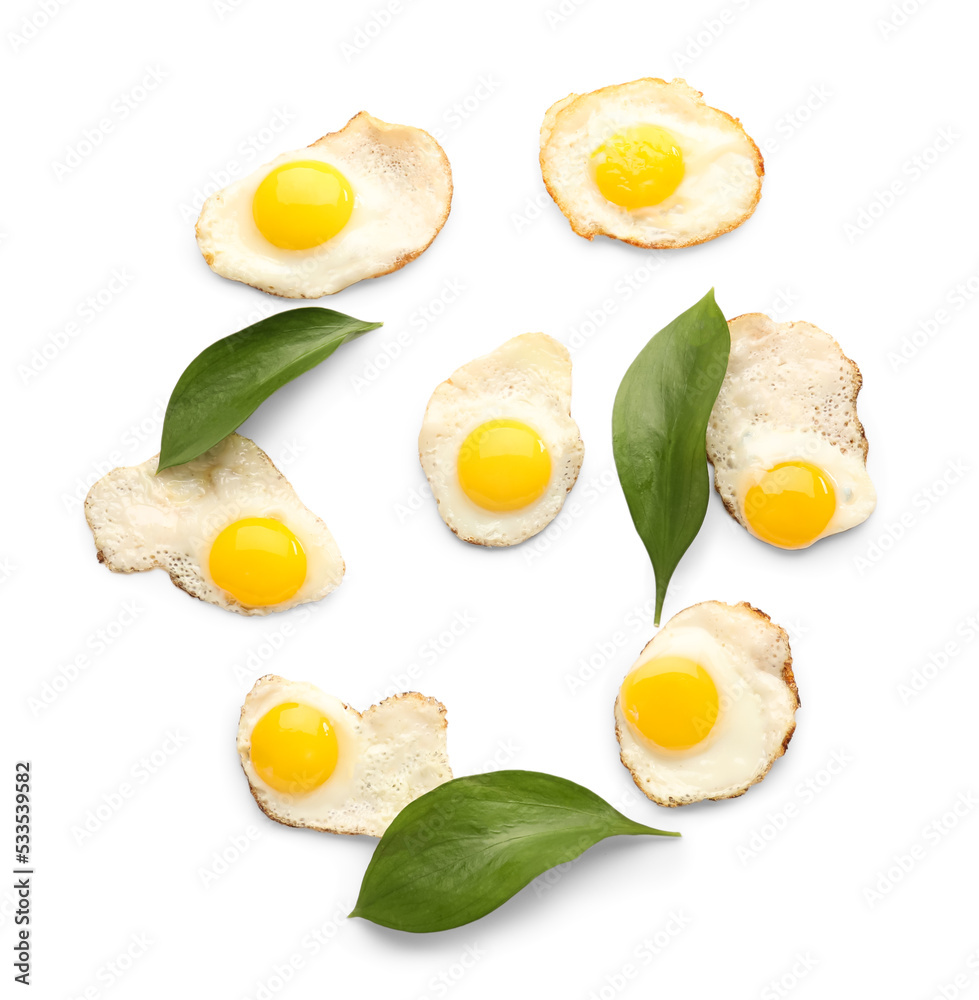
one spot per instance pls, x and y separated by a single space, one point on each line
462 849
227 381
659 429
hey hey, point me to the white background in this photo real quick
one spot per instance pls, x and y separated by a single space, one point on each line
761 910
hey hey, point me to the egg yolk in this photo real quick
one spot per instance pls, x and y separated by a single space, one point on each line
302 204
639 166
671 701
294 748
503 465
258 561
791 505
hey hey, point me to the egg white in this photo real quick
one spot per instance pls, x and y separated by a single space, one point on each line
402 189
789 394
141 521
722 165
386 757
528 379
749 660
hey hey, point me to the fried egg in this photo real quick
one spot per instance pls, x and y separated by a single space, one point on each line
498 444
788 449
648 162
355 204
227 526
313 761
708 706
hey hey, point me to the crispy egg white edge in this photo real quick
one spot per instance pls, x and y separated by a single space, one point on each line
567 146
462 403
234 248
655 773
124 548
836 443
370 746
